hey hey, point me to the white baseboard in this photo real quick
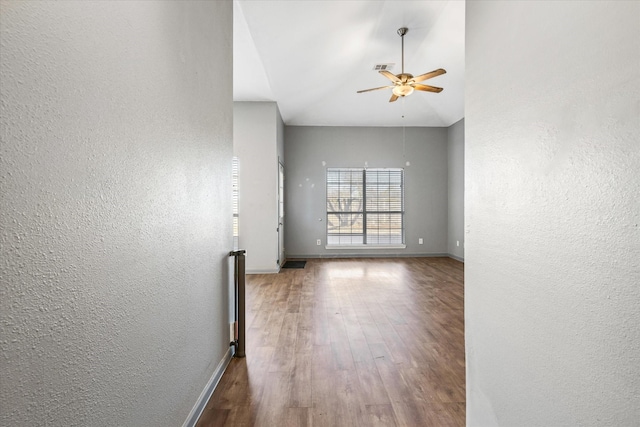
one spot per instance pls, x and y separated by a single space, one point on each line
195 413
266 271
369 255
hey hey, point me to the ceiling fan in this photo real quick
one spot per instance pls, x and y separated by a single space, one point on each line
404 83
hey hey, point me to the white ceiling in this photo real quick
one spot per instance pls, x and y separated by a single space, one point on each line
312 56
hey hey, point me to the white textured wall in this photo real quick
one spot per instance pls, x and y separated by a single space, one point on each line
255 142
552 257
307 147
455 188
116 144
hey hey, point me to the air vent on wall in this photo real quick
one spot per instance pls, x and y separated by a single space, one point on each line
383 67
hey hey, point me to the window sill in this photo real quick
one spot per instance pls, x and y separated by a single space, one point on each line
330 247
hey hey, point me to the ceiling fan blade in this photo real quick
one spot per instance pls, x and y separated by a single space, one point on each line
390 76
432 74
393 97
375 88
427 88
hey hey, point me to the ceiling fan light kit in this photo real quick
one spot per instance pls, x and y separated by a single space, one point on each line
404 83
402 90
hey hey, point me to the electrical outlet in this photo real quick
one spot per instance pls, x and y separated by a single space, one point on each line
318 242
457 242
421 241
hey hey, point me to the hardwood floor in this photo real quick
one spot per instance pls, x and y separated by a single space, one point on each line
349 342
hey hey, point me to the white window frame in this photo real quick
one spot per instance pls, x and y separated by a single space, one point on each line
360 216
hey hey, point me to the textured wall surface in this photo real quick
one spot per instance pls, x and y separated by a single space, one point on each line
552 256
455 187
255 142
116 145
311 150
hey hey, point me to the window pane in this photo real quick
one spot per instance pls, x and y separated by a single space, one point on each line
384 190
384 228
345 228
344 190
345 240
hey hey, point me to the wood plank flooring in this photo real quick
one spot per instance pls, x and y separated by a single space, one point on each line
349 342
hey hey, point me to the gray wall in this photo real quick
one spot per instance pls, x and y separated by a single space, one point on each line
116 148
257 142
310 150
552 268
455 187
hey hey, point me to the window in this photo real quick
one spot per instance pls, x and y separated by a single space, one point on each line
365 206
234 200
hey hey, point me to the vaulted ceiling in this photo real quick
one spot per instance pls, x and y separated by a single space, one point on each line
312 56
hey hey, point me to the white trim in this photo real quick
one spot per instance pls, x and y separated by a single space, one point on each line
358 247
197 409
369 255
269 271
457 258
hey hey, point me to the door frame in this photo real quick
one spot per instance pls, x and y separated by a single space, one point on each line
280 229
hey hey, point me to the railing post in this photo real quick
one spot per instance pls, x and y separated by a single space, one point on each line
239 280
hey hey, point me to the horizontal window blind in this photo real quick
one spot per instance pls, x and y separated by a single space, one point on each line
345 207
234 200
384 206
365 206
